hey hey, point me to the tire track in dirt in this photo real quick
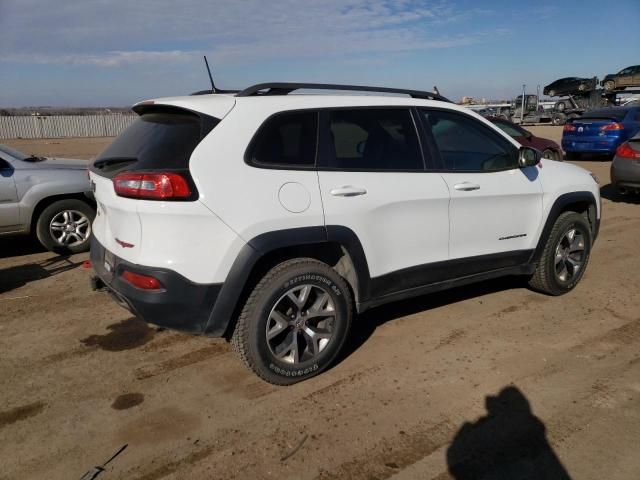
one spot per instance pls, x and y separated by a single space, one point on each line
195 356
21 413
392 454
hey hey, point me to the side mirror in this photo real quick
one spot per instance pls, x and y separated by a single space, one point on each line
528 157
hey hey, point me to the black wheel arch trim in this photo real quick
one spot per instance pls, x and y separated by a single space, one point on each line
560 205
226 306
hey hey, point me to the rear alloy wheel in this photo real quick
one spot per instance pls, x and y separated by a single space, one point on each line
65 226
565 255
609 85
295 322
552 93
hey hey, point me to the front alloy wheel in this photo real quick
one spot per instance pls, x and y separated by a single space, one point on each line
564 258
569 255
70 228
64 226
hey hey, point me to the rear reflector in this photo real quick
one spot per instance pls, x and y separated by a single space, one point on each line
625 151
155 186
611 126
145 282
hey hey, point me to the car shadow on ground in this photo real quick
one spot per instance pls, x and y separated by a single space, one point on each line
18 276
19 246
365 324
589 157
610 193
508 442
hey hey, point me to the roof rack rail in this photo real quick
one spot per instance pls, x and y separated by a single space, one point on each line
286 88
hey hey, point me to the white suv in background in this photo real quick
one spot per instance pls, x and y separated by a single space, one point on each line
270 218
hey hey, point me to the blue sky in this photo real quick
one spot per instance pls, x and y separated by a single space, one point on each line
113 52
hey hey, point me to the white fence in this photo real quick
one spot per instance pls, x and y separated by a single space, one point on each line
59 126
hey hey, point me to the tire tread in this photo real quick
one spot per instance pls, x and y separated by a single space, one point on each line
542 279
240 337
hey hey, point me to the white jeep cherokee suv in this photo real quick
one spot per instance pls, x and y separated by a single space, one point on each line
270 218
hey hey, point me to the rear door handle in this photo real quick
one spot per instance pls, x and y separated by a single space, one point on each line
466 186
348 191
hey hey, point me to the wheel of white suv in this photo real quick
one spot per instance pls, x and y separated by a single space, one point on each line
565 255
295 322
65 226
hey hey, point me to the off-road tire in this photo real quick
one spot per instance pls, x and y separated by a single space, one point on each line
249 338
544 278
44 219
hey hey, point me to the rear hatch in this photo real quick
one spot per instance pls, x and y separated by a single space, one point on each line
159 142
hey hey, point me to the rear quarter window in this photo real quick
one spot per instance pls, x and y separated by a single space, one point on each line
285 140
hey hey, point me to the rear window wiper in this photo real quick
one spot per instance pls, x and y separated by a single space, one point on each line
109 162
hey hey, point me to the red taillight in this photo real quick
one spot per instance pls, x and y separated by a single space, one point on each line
625 151
611 126
157 186
145 282
568 127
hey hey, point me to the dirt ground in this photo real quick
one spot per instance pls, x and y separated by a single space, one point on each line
444 386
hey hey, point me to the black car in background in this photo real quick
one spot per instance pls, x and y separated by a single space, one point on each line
568 85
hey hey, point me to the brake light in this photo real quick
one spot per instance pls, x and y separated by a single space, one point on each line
611 126
568 127
145 282
625 151
154 186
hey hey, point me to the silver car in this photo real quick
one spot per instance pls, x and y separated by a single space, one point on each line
625 168
48 197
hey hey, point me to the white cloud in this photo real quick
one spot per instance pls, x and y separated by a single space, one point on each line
108 33
105 59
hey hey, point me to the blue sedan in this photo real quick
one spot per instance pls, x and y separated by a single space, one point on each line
600 131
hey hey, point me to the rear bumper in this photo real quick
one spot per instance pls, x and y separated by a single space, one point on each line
180 305
625 173
600 145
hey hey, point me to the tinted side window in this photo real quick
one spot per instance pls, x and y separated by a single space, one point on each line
372 139
287 139
509 129
467 145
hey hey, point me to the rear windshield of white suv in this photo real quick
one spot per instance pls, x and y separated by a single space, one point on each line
157 139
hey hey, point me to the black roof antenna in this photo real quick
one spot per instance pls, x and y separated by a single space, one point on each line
213 87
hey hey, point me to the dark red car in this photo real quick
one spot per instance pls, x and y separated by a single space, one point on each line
549 148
